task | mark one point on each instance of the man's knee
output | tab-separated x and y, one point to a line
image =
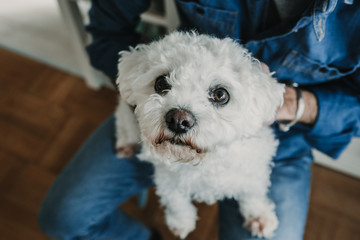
59	221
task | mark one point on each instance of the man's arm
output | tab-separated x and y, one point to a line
288	111
112	27
332	112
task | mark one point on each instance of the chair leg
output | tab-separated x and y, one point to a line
73	20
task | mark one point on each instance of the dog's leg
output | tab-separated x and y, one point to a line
180	213
259	214
127	130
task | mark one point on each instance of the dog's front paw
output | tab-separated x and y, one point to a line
127	131
183	232
181	226
126	150
263	225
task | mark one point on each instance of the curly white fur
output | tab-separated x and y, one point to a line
228	153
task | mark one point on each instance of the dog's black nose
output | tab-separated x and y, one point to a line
179	120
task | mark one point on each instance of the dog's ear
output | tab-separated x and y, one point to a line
131	67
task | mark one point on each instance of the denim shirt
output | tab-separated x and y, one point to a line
319	49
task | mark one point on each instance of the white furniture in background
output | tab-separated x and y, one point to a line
74	21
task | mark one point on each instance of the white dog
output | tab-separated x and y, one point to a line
201	106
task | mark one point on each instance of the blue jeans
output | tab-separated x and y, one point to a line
83	202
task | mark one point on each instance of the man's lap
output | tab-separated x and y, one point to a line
290	192
93	184
96	182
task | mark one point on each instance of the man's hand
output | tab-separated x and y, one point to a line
287	111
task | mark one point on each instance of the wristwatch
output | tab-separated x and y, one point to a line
300	108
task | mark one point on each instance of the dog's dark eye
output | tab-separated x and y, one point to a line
220	96
161	85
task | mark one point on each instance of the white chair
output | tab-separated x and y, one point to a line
74	21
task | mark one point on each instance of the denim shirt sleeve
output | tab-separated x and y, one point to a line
112	27
338	116
323	56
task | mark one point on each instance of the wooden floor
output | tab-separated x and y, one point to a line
46	114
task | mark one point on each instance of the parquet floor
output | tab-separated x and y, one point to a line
46	114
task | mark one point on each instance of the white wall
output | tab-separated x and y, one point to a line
348	163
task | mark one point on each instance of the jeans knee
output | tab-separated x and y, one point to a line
45	221
58	222
48	221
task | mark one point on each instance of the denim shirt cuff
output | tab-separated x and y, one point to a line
328	134
324	108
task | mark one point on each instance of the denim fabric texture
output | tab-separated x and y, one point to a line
319	49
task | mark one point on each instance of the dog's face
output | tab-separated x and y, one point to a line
194	93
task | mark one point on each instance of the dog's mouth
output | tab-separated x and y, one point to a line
186	143
178	141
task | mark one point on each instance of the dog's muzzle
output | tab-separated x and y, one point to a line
175	141
179	121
